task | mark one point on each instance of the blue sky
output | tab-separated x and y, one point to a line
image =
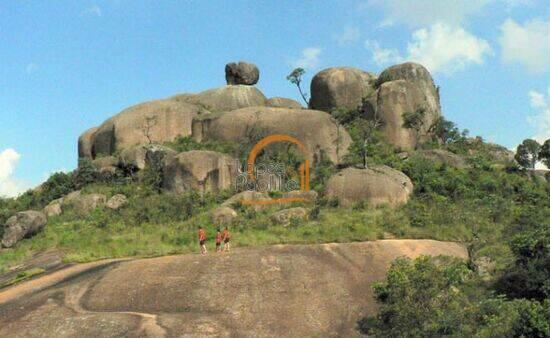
66	66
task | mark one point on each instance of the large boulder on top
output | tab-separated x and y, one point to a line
155	121
340	87
85	143
225	98
402	88
200	170
320	134
417	74
283	102
241	73
376	185
21	225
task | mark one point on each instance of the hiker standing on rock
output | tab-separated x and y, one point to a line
202	240
226	238
218	241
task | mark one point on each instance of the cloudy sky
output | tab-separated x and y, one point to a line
68	65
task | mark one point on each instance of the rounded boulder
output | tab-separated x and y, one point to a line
340	87
241	73
376	185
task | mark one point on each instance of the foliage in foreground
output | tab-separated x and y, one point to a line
438	297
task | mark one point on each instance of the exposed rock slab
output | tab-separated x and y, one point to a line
255	292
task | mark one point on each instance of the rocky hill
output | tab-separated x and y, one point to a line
274	291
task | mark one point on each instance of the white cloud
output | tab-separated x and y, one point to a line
541	119
94	10
309	58
446	49
31	68
440	48
383	56
349	35
527	44
10	186
427	12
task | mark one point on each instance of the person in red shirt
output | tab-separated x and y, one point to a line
219	241
226	238
202	240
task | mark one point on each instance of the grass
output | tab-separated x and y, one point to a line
104	234
23	275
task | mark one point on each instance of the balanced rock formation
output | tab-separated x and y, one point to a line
283	102
241	73
154	121
225	98
340	87
320	134
200	170
21	225
405	88
376	185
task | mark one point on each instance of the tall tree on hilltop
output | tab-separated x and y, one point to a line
544	153
295	77
527	153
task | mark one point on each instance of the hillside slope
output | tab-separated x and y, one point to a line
282	290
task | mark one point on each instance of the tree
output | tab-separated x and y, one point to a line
363	131
150	122
415	121
544	153
85	174
527	153
295	77
444	130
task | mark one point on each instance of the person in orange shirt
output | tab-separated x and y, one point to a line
226	238
219	241
202	240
